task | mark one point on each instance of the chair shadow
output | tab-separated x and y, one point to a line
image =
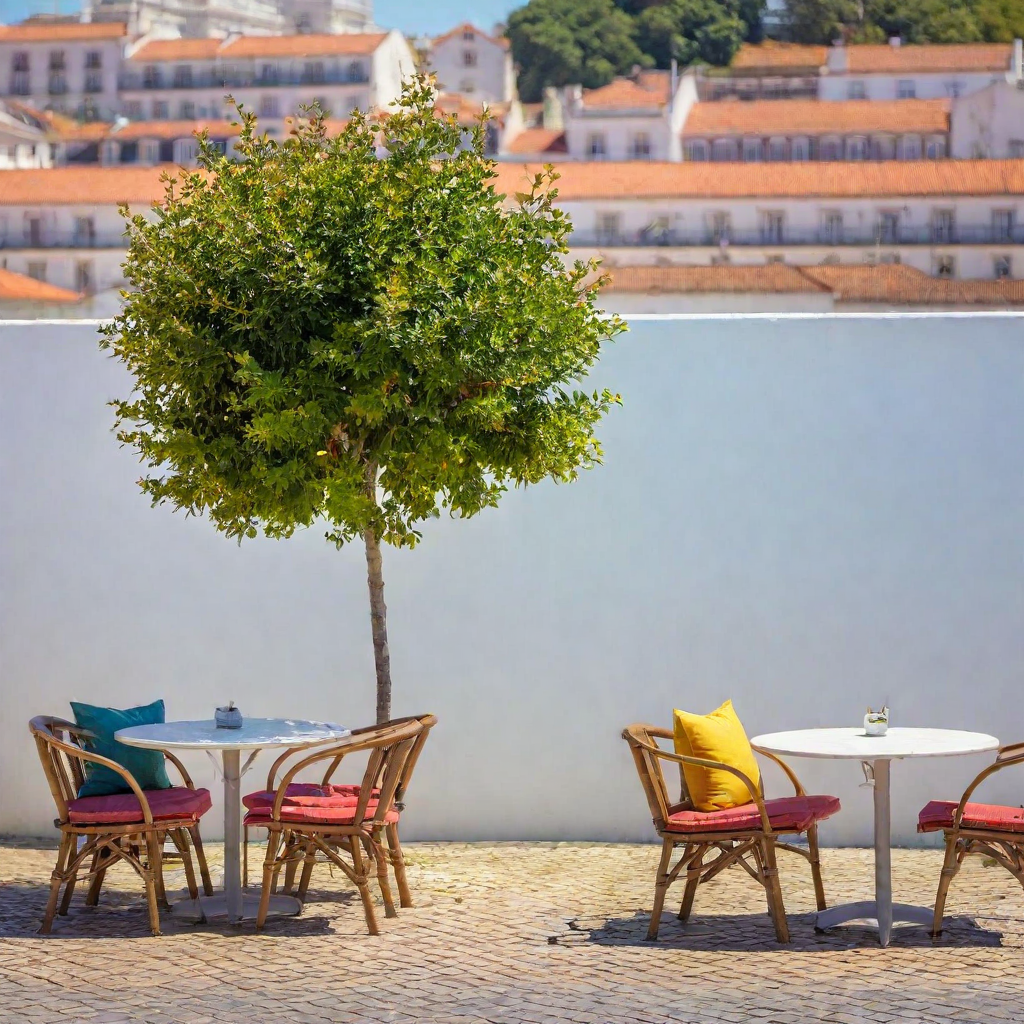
753	933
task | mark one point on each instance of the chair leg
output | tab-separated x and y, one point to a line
153	878
812	848
398	864
773	890
374	849
103	859
692	881
69	887
306	877
950	866
362	881
292	867
204	870
180	839
245	856
269	870
660	888
64	853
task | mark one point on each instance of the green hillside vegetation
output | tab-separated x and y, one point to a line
564	42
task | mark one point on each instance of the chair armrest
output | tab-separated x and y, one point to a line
185	777
790	774
1005	759
700	762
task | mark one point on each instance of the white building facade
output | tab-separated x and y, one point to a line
474	64
989	123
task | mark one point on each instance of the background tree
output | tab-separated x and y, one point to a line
321	335
819	22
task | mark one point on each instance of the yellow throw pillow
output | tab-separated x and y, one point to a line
715	737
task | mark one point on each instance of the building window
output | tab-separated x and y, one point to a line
1002	225
160	110
34	232
19	62
83	276
906	89
910	147
777	150
723	151
468	36
720	227
269	74
855	91
1016	149
356	72
94	60
831	149
1002	267
889	227
20	84
37	270
133	110
697	151
641	146
943	226
832	227
944	266
751	151
183	76
857	148
313	72
269	106
58	84
469	58
936	148
883	147
800	150
596	147
93	81
953	88
151	77
772	222
608	227
57	62
85	231
187	110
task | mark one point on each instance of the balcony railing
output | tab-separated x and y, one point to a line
790	236
72	239
243	81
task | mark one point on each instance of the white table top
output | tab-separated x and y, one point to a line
254	734
896	743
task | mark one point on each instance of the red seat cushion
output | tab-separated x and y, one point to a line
789	813
312	803
939	815
176	803
309	793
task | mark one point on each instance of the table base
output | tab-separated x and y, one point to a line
867	910
212	908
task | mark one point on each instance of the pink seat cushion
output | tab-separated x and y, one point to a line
788	813
312	803
177	803
939	815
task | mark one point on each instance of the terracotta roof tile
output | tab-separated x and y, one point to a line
469	27
61	32
767	277
539	140
467	108
606	180
816	117
898	284
650	89
773	56
866	59
83	186
311	45
19	288
176	49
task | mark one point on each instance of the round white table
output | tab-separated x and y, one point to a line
875	753
254	735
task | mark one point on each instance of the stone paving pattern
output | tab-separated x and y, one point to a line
519	932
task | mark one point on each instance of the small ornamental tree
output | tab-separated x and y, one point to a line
320	331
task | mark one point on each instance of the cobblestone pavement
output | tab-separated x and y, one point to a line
522	932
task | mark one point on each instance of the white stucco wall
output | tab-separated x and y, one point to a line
490	78
927	85
987	123
805	516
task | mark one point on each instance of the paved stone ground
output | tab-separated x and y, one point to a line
526	933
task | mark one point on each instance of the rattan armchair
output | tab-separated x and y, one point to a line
131	827
989	829
748	835
347	830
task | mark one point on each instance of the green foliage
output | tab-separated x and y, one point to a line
321	334
564	42
819	21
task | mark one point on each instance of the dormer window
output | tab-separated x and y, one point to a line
468	36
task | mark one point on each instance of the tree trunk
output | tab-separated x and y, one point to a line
378	610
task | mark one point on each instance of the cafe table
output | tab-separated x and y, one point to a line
876	753
255	734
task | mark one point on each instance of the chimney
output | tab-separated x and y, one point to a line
836	60
895	42
634	73
1017	65
673	83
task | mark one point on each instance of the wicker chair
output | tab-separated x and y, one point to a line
303	821
393	850
989	829
747	835
127	826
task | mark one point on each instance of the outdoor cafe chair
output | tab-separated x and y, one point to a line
969	828
748	835
392	851
348	830
129	826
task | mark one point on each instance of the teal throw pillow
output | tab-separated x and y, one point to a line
145	766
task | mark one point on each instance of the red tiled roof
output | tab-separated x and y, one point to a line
41	32
606	180
766	277
539	140
19	288
469	27
898	284
867	59
468	109
98	186
816	117
177	49
649	89
772	56
310	45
